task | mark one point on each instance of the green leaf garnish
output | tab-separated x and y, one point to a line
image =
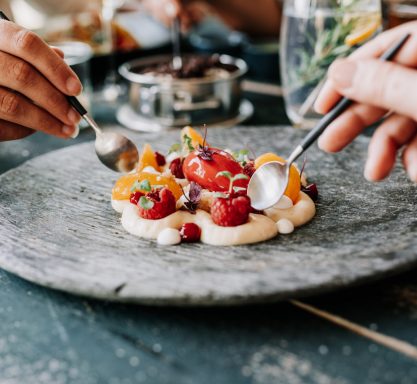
240	176
242	156
174	148
135	186
145	185
188	142
237	189
226	174
146	203
220	195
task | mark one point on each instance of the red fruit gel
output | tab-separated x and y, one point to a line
176	168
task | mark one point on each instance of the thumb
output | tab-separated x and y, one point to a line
381	84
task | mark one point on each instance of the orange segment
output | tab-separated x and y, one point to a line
147	159
196	138
365	28
294	183
121	190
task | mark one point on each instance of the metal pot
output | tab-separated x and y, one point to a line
179	102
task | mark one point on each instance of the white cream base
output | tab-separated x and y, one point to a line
299	214
258	228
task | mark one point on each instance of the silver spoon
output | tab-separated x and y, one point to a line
269	182
114	150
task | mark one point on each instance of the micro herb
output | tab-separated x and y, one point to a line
242	156
145	203
232	179
204	152
188	142
174	148
193	198
135	186
145	185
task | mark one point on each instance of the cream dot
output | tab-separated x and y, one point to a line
169	236
285	226
284	203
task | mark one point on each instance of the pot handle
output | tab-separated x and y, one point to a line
185	106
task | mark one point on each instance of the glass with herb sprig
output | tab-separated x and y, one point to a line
313	35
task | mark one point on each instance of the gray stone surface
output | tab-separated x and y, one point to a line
57	228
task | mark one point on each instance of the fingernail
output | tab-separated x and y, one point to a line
74	86
342	72
76	132
68	131
368	172
73	116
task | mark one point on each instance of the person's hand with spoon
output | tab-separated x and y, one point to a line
377	87
34	82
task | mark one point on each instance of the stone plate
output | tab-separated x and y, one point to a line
57	229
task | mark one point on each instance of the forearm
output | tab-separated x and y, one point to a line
257	18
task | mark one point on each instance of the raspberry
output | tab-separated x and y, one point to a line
163	204
160	159
231	211
249	169
134	197
190	233
312	191
176	168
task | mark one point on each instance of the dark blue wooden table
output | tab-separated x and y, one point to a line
53	338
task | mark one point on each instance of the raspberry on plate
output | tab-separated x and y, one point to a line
157	204
190	233
231	211
176	168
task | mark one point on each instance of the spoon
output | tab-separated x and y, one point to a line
114	150
268	184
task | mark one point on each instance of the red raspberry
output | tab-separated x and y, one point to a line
312	191
160	159
190	233
164	204
249	169
176	168
231	211
134	197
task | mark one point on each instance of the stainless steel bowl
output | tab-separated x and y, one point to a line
179	102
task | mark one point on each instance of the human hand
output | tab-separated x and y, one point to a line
378	87
190	12
34	80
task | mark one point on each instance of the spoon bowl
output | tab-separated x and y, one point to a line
268	184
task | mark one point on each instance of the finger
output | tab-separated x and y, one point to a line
381	84
407	56
348	126
10	131
410	159
20	76
19	110
28	46
390	136
58	51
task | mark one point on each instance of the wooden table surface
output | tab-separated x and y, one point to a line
362	335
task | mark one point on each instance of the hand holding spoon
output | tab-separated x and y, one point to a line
269	182
114	150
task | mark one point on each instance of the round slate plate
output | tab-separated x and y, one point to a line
57	228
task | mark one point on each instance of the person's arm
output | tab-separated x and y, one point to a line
378	87
34	80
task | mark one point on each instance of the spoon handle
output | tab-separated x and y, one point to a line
340	107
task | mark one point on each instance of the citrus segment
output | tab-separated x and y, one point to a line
195	138
364	30
122	188
147	159
294	183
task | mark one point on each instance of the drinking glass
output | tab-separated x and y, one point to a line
313	34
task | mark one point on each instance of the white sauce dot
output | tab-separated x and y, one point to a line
285	226
169	236
150	169
284	203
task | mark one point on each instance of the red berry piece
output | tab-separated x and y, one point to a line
249	169
157	204
190	233
312	191
176	168
134	197
231	211
160	159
